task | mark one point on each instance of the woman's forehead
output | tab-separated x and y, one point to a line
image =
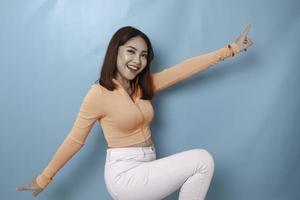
136	43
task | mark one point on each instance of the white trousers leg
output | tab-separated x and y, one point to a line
134	173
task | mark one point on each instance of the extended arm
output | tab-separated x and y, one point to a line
172	75
187	68
90	112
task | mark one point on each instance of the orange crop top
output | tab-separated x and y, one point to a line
124	121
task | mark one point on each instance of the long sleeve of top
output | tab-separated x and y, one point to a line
124	121
90	112
189	67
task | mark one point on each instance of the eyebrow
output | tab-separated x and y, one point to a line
136	49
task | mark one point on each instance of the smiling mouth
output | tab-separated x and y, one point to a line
132	68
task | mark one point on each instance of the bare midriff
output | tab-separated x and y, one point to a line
146	143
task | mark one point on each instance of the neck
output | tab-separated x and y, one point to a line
123	81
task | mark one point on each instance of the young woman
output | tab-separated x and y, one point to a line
121	101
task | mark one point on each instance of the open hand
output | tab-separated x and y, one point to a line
33	186
243	41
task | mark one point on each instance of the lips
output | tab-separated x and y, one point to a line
132	67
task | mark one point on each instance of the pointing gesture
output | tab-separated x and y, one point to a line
243	41
33	186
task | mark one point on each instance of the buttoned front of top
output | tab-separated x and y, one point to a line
124	120
127	118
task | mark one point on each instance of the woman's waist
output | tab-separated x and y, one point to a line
147	143
144	147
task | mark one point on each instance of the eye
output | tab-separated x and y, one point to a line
130	51
145	55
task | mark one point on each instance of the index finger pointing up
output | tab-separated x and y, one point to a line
247	29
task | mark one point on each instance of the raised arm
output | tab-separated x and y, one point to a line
172	75
90	112
187	68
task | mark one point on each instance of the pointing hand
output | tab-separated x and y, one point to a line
243	41
33	186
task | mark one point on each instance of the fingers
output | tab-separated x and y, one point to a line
25	188
246	31
36	192
245	41
250	42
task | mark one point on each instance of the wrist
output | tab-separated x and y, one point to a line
234	49
43	181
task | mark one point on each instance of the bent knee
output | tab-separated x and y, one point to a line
206	157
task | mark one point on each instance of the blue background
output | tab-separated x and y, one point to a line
245	110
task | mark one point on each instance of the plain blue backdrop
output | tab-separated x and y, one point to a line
244	110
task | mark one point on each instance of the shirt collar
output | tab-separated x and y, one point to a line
120	87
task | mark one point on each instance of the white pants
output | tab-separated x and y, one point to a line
134	173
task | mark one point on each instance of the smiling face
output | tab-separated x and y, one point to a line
132	58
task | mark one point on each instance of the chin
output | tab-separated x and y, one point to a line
130	77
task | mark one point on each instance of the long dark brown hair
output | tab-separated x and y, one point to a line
109	68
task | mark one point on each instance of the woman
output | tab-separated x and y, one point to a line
120	101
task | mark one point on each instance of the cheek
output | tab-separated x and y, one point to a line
123	59
144	62
126	58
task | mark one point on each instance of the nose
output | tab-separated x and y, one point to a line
137	60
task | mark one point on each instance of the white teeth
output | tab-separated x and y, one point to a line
131	67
